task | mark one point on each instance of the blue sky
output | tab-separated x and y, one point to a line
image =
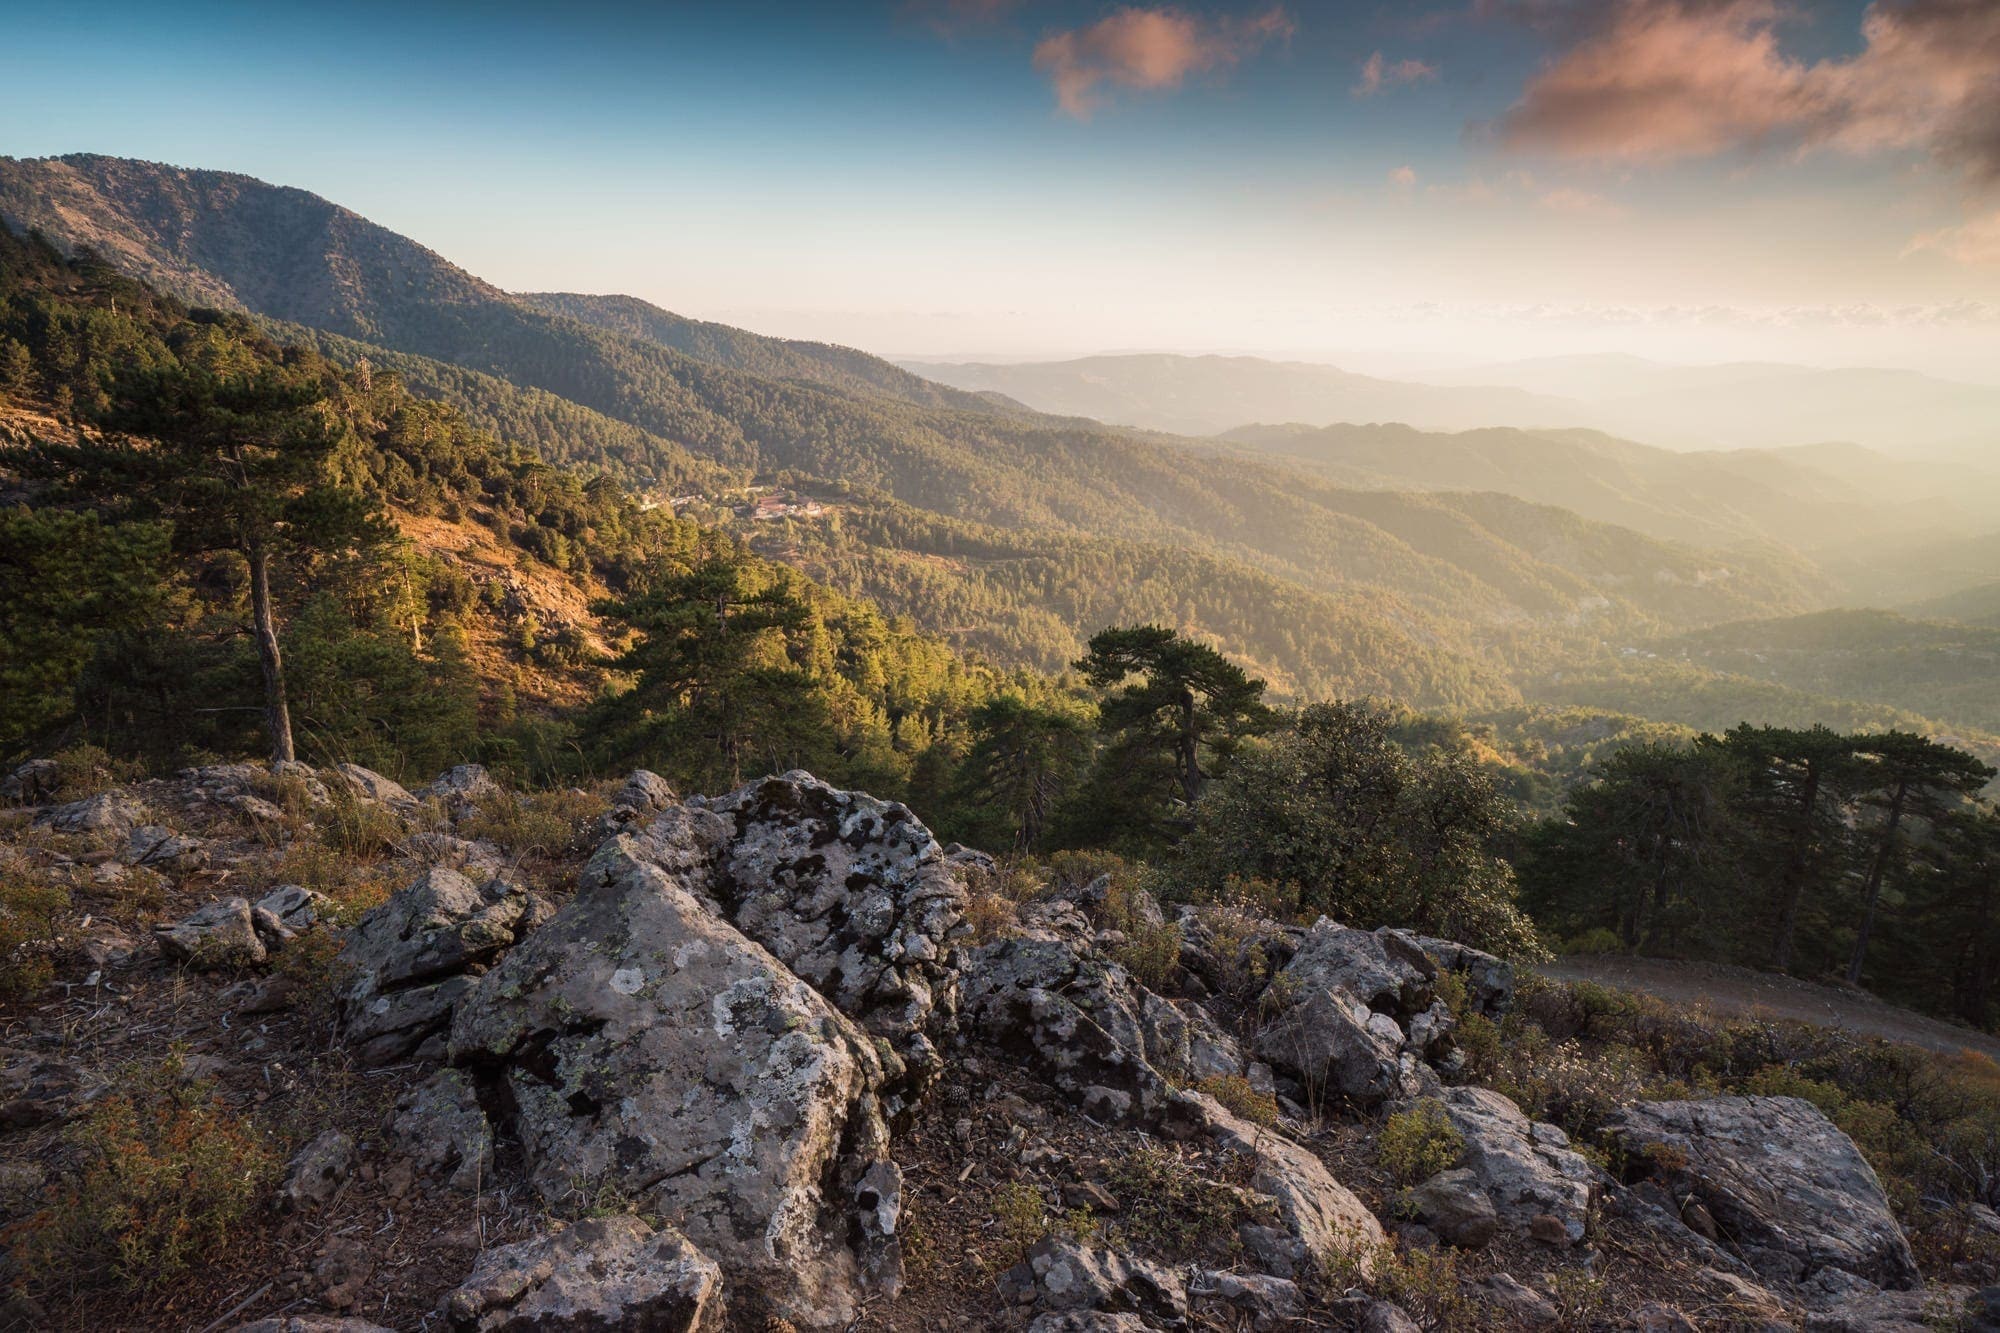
979	176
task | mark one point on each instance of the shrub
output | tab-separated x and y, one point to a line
1023	1219
85	770
1418	1143
1235	1093
167	1175
1171	1208
28	912
1598	939
1152	954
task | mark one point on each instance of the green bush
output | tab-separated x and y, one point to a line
1418	1143
28	912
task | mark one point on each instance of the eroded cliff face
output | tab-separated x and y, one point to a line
775	1058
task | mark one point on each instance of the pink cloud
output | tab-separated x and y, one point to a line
1657	80
1378	74
1976	243
1403	178
1582	204
1147	49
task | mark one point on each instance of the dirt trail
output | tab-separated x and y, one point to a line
1738	990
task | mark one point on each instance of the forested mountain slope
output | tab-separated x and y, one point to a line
1460	574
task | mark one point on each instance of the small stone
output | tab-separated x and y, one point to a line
316	1172
1087	1194
1548	1229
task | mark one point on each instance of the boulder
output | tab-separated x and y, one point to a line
647	1045
440	1125
1527	1169
221	934
1792	1194
317	1171
1489	981
1266	1301
31	783
1456	1206
287	910
1184	1042
1520	1305
461	788
410	959
372	786
853	895
1045	996
112	812
159	848
1063	1274
644	795
1354	1013
1322	1215
605	1273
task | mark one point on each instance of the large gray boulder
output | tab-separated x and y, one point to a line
441	1127
114	813
1045	996
606	1273
855	896
413	959
221	934
1792	1194
1354	1015
648	1045
1526	1168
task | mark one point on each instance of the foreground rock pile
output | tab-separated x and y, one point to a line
728	1024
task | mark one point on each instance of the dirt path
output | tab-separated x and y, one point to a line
1738	990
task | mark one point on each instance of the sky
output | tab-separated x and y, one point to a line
1393	186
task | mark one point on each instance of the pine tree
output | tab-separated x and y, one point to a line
1023	758
240	457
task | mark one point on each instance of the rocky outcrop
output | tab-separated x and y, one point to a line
1526	1168
1354	1015
855	897
1048	997
1489	981
646	1044
1787	1190
369	785
115	812
32	782
1455	1204
219	935
607	1273
644	795
1062	1274
413	959
461	788
155	847
441	1127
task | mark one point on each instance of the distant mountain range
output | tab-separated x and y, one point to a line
1730	406
1445	570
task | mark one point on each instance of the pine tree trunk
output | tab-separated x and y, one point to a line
1795	876
1190	751
277	716
1873	893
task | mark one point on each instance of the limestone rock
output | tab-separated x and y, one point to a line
1268	1302
1527	1169
646	1044
606	1273
1789	1189
644	795
1456	1206
410	958
372	786
317	1170
461	788
1062	1273
113	812
439	1124
853	895
1489	981
221	934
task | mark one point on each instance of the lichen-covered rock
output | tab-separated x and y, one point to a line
317	1170
1489	981
372	786
113	812
218	935
440	1125
1790	1191
156	847
461	788
606	1273
410	957
1062	1274
1456	1206
1526	1168
644	795
1184	1042
289	909
1354	1014
648	1045
1046	996
1322	1214
855	896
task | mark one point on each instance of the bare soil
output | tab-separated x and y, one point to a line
1743	992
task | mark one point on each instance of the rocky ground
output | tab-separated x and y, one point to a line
303	1050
